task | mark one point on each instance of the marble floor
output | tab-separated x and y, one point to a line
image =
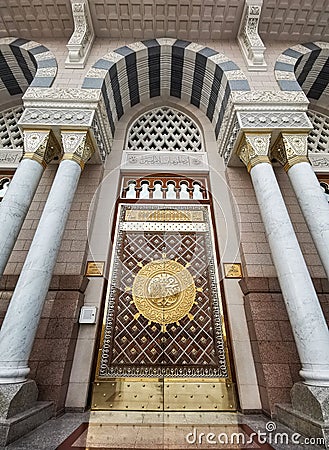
166	431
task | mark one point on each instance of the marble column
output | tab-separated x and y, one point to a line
305	314
40	147
22	318
291	151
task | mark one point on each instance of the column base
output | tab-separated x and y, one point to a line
20	412
21	424
309	412
15	398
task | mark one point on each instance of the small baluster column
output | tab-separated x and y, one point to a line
40	148
305	314
291	151
17	336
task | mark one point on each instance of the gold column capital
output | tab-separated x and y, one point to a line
290	149
40	146
254	149
78	146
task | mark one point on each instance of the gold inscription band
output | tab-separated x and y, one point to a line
163	216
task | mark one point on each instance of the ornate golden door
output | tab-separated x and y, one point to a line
163	344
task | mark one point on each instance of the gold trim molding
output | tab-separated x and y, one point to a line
290	149
163	215
78	146
254	149
41	146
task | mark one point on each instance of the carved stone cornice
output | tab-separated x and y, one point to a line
58	117
261	112
270	100
61	98
290	149
252	46
41	146
70	109
254	149
78	146
83	35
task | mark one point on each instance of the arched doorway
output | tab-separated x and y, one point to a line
164	344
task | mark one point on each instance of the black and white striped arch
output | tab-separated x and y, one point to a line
168	67
305	67
25	63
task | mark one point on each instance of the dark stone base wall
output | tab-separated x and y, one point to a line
274	350
53	350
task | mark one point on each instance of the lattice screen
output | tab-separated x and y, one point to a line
318	140
164	129
10	134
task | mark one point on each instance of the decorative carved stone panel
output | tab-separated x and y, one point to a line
10	135
164	130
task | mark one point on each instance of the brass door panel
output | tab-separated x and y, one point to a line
128	394
164	395
164	344
200	395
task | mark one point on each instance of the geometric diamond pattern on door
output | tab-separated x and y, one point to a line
133	347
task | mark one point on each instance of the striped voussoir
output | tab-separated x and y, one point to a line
25	63
167	67
304	67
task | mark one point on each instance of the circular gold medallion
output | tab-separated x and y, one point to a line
164	292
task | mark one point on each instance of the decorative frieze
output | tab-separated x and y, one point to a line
254	149
252	46
290	149
83	35
61	97
164	161
269	99
320	163
164	226
274	119
10	159
55	117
